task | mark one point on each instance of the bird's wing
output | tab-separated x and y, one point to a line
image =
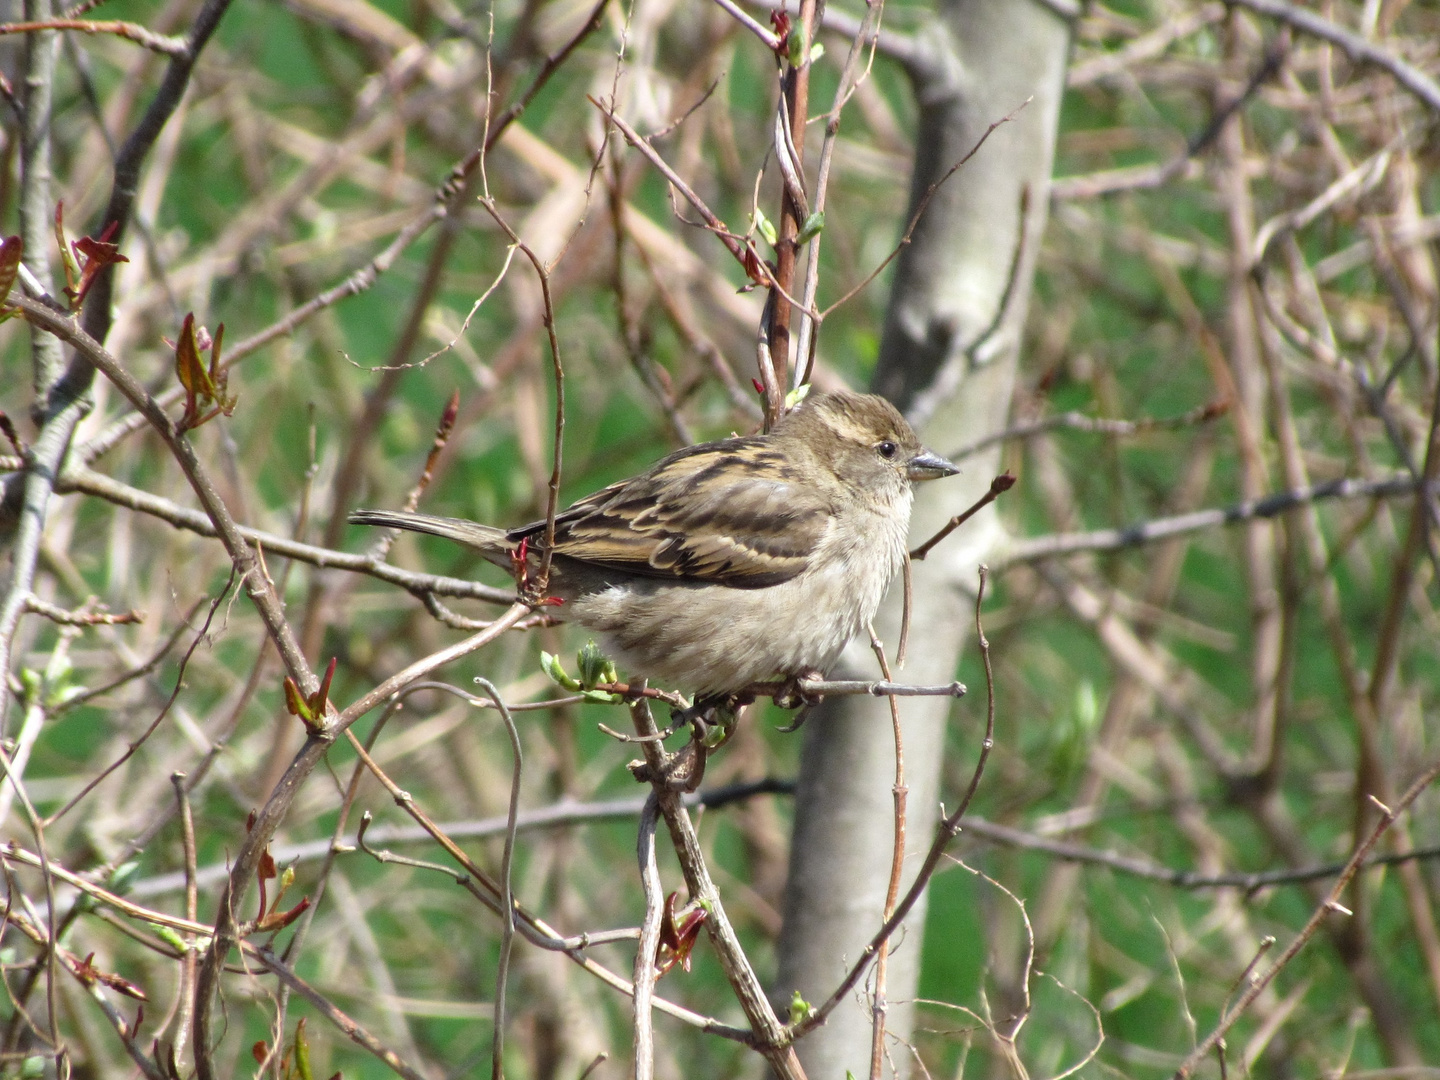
734	513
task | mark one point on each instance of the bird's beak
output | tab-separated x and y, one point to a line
928	465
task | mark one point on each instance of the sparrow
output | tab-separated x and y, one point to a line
731	562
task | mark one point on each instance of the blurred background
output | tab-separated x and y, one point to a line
1186	294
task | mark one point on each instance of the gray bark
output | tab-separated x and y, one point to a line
948	357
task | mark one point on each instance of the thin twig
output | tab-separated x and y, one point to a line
323	1005
858	688
1147	870
485	889
552	505
225	935
201	636
1359	49
186	991
643	1042
743	18
808	337
557	816
361	280
741	247
907	605
1074	421
879	1005
945	832
1323	911
1148	532
196	521
159	43
917	215
768	1035
507	899
84	974
1001	484
793	107
61	617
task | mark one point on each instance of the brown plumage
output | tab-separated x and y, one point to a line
734	561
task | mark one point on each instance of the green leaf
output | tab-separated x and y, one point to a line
302	1052
296	703
123	877
552	667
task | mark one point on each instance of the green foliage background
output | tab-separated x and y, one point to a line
1131	296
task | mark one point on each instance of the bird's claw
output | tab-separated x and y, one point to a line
792	694
712	722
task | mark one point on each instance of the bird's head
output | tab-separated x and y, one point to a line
864	441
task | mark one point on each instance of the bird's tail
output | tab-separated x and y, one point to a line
486	539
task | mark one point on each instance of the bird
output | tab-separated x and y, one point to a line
733	562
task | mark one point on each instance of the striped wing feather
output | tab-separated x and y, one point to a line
733	513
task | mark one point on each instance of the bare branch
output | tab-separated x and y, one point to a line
734	10
1329	905
159	43
770	1037
1049	547
1001	484
1353	45
1074	421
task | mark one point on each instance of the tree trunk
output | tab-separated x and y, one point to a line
948	357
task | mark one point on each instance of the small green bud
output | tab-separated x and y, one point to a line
797	46
592	663
170	937
812	227
31	683
766	227
800	1009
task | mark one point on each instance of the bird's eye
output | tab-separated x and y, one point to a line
887	449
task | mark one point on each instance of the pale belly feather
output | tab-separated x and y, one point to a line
711	639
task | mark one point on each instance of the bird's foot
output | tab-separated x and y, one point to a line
712	722
792	695
712	719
